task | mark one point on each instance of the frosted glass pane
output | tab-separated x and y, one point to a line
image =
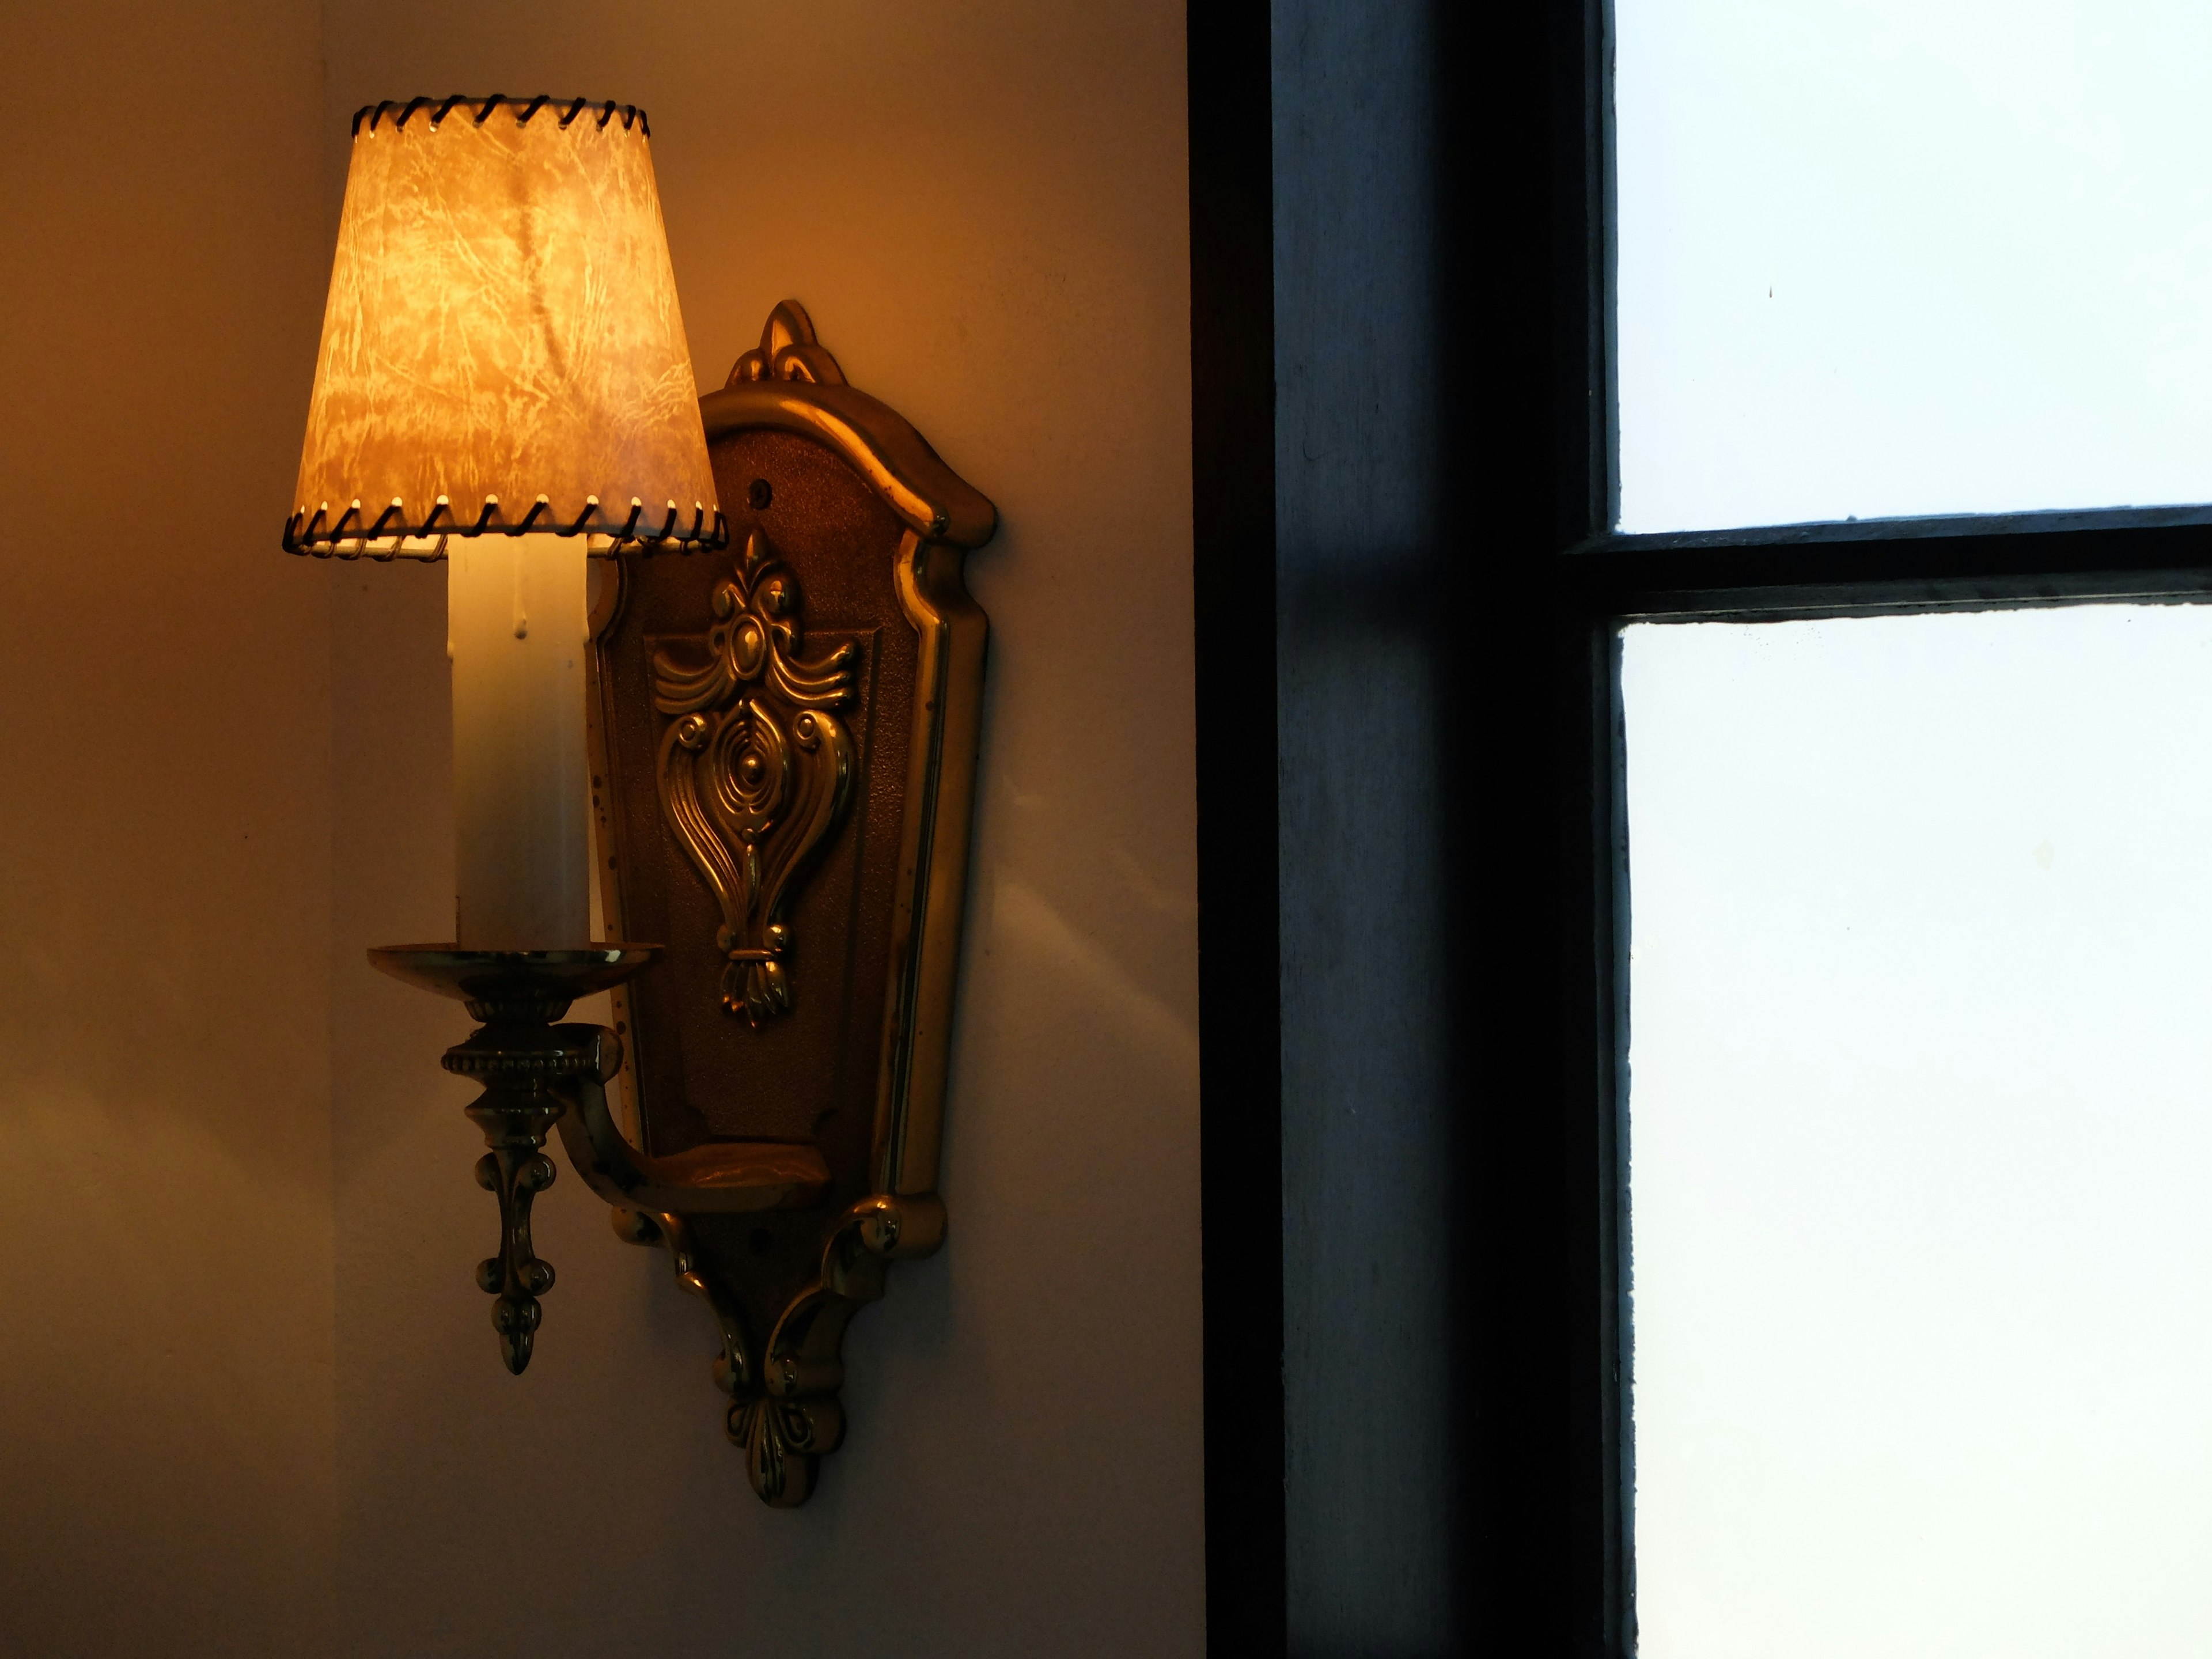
1921	1129
1889	257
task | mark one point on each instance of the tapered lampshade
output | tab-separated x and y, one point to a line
502	350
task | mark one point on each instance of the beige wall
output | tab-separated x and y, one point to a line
249	1397
983	207
166	1479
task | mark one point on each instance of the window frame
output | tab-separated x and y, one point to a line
1605	580
1597	580
1523	606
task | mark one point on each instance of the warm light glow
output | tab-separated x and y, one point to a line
502	322
502	353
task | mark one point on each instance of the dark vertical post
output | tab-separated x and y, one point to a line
1362	500
1427	516
1531	815
1240	1027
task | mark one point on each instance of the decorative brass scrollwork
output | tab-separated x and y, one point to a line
755	768
748	741
787	1420
524	1069
785	1414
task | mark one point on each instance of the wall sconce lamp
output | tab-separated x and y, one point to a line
773	734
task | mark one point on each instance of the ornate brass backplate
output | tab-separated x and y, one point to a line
756	768
783	771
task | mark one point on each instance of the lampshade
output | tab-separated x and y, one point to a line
501	350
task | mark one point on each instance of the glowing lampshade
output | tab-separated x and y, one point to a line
503	348
503	366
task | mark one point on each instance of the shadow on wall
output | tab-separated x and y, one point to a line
165	1207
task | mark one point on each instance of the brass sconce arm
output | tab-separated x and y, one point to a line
725	1177
536	1074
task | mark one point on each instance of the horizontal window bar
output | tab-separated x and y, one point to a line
1823	532
1908	529
1895	566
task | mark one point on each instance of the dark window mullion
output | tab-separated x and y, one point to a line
1240	1030
1947	528
1793	575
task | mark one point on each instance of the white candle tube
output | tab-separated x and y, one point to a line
516	631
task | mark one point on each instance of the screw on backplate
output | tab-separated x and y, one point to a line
760	493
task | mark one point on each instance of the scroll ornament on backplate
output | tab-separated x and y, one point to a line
755	768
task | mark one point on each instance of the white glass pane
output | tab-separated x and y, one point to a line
1888	257
1921	1135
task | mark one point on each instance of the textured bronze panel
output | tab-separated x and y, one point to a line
702	1073
705	1073
845	1059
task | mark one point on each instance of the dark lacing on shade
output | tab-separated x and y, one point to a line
308	533
399	114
